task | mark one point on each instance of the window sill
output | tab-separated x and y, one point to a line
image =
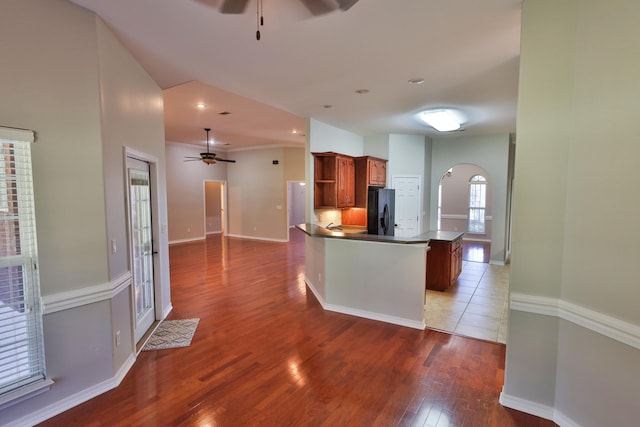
24	393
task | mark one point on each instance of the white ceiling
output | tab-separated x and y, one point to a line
467	51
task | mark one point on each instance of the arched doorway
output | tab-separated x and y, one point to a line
464	204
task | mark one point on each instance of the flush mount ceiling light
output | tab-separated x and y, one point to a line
417	81
441	120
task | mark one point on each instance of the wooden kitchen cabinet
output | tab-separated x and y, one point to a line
346	197
370	172
334	181
444	263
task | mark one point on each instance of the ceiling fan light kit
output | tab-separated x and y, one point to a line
316	7
208	158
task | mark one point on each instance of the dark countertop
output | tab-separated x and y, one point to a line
356	233
442	236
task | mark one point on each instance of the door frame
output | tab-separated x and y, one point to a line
290	183
223	205
159	296
420	194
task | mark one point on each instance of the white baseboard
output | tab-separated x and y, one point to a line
194	239
75	399
43	414
240	236
537	409
166	311
363	313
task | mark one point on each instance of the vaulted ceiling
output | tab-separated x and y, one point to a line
306	65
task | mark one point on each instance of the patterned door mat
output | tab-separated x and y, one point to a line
172	334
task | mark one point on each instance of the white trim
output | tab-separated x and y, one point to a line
214	232
454	216
537	409
194	239
84	296
462	217
473	239
364	314
59	406
25	392
240	236
15	134
611	327
166	311
75	399
124	369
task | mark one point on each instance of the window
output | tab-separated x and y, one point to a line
477	203
22	367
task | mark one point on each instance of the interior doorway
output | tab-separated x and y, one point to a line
464	204
214	207
296	193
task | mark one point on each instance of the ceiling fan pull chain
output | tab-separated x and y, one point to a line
259	18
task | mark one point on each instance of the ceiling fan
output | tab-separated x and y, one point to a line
208	157
316	7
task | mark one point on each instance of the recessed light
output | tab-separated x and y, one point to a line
327	106
362	91
201	106
417	81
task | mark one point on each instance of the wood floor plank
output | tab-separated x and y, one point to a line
266	354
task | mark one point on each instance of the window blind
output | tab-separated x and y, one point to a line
21	338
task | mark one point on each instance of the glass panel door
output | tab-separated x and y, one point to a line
141	246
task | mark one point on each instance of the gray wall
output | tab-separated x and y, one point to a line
256	191
67	77
574	281
185	191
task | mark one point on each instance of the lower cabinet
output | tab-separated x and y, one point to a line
444	263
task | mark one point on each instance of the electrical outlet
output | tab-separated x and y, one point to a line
188	229
114	246
117	338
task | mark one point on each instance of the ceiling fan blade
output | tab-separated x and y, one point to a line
218	159
192	160
318	7
346	4
234	6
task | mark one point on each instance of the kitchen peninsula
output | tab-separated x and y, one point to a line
376	277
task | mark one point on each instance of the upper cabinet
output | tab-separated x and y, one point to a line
334	181
346	182
377	172
370	172
342	181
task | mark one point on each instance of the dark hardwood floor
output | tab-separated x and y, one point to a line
266	354
476	251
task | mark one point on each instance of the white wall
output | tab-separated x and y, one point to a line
490	153
574	281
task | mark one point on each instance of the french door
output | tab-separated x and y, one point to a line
141	245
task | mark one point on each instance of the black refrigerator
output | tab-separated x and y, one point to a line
381	211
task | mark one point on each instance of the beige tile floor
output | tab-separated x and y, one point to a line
475	306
